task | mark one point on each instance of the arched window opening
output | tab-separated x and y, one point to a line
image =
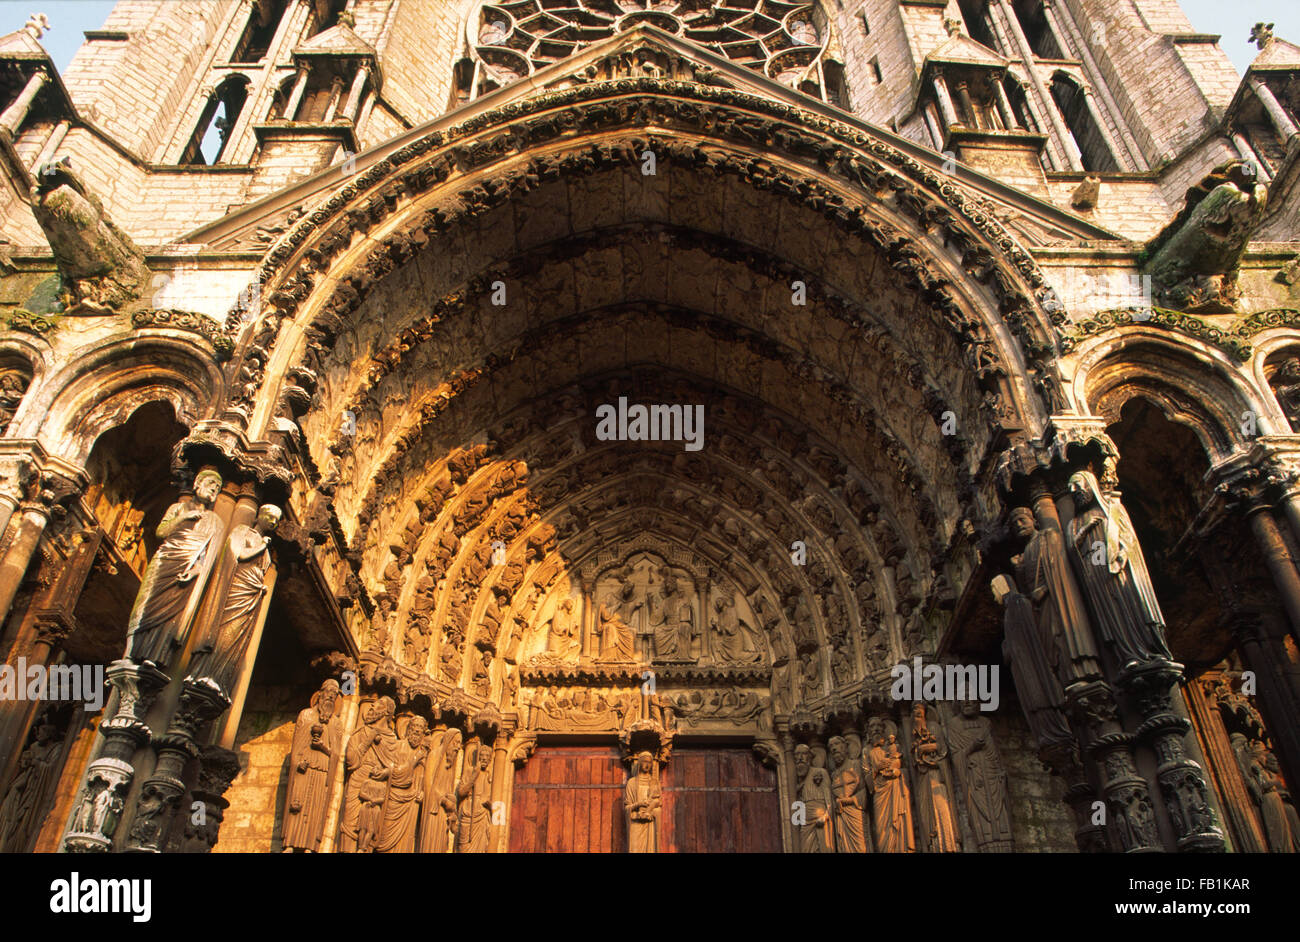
130	481
259	32
323	96
1033	23
1283	372
976	15
282	98
208	144
1072	102
15	377
324	15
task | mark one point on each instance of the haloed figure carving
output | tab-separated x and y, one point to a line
219	654
641	801
817	832
938	829
889	798
1114	575
851	835
438	818
174	578
405	791
369	757
316	737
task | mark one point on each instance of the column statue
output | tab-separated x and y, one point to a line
312	757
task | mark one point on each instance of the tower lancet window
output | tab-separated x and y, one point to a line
263	22
207	145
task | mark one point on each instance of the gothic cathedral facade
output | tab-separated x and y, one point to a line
455	426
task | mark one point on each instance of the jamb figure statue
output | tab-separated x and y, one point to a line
174	578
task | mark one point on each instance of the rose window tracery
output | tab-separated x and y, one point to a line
786	42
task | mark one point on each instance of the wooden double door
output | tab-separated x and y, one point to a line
569	799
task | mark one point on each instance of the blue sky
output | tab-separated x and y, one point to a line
1231	19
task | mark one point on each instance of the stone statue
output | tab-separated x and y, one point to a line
641	802
405	792
732	639
369	757
174	578
312	757
938	826
674	620
1268	792
850	791
22	812
1114	575
562	636
1286	387
883	764
219	655
616	636
1043	570
13	386
817	831
438	818
982	777
474	801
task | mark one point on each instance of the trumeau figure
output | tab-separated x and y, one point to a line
438	815
312	758
474	797
174	578
1043	571
939	828
1114	575
369	757
851	834
219	655
982	778
883	764
21	812
641	802
813	784
401	815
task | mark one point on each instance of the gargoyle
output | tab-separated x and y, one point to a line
1193	261
100	267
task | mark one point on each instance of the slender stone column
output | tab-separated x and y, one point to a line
295	96
946	109
353	104
1277	558
1062	133
1004	105
1282	123
19	555
13	115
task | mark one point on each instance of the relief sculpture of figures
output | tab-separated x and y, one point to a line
641	803
1114	575
401	815
563	637
369	756
938	827
174	578
733	640
1268	791
851	833
813	787
982	778
474	797
219	656
438	815
673	617
312	758
883	764
21	812
1043	571
617	640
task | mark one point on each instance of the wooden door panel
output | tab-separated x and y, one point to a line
718	801
569	800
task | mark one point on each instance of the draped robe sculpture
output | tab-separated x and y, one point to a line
20	813
438	816
817	832
174	578
369	757
851	834
641	802
1114	575
889	797
220	653
405	792
312	758
474	797
938	828
979	769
